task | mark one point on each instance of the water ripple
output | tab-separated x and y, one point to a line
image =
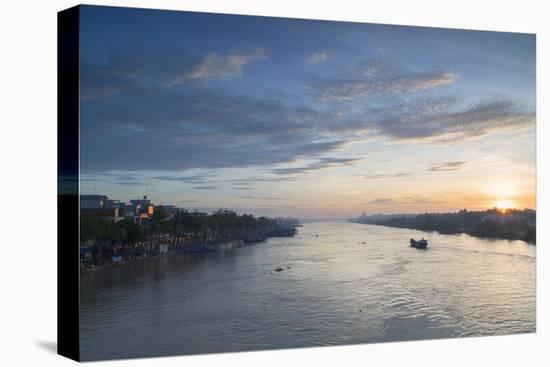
333	290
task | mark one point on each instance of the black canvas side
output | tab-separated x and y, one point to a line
68	251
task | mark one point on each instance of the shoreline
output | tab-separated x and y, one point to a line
179	251
453	232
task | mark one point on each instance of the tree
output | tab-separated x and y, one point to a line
134	233
89	229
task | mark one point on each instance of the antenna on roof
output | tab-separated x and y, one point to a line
146	191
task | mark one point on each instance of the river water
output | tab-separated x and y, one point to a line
333	290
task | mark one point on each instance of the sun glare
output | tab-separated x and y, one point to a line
503	205
502	192
503	189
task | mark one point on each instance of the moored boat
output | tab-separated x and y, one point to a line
419	244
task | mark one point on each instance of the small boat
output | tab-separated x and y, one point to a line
200	248
419	244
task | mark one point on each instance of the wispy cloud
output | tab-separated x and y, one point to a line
193	179
426	201
349	89
210	180
449	119
448	166
250	180
130	183
377	77
381	201
320	164
242	188
370	67
217	66
253	197
376	176
408	200
205	187
318	57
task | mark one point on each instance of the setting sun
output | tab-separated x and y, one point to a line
504	204
503	193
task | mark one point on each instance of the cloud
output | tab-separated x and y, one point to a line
449	118
130	183
205	187
249	180
252	197
378	78
376	176
130	70
320	164
208	181
383	201
216	66
349	89
194	179
409	200
428	201
196	126
370	67
447	166
318	57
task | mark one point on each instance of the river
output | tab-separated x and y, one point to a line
333	290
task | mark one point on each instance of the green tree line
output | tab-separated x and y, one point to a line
514	224
222	223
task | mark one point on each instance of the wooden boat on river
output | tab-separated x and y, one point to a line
419	244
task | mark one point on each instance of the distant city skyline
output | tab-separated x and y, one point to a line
304	118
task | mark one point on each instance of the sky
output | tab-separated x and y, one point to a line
304	118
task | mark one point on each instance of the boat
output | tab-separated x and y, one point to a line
419	244
200	248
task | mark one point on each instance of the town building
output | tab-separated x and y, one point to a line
93	201
115	204
144	209
100	206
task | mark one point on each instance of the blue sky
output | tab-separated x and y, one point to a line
301	117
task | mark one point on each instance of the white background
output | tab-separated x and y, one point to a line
28	182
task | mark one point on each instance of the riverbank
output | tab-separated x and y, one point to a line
104	242
144	258
473	234
175	246
509	224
